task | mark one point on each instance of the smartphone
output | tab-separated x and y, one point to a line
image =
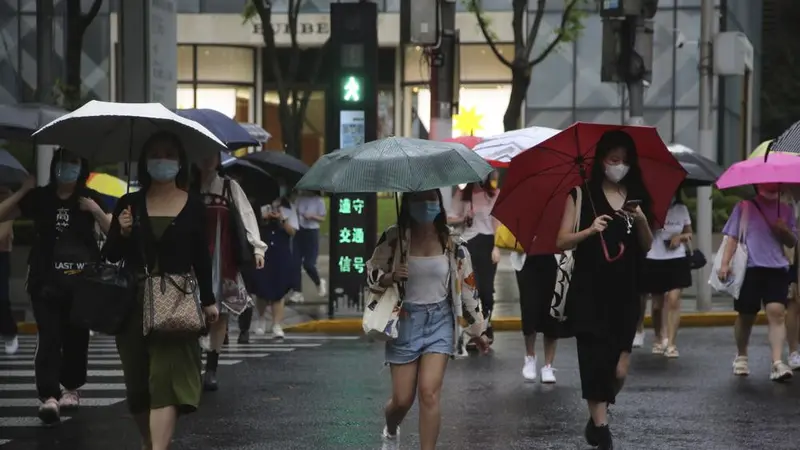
632	203
266	209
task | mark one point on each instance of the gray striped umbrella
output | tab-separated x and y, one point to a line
788	141
396	164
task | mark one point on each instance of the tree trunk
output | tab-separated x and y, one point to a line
520	79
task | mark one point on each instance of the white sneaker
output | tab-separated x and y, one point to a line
390	441
296	297
548	374
741	367
780	371
12	345
322	290
529	369
638	340
277	332
794	361
261	326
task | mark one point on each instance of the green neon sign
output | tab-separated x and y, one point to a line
351	89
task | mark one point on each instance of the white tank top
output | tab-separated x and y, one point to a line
427	279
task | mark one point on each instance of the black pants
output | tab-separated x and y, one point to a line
537	282
305	247
597	364
61	349
480	250
245	319
8	326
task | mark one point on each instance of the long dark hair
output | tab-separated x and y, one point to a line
633	181
58	156
486	185
196	177
182	179
404	220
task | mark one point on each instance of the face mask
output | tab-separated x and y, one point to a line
67	172
615	173
163	169
424	212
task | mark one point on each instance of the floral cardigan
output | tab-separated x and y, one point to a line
463	295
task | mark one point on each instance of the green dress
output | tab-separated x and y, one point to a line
160	371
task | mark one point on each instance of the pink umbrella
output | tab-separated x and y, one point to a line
778	168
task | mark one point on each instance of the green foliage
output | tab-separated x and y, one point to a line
249	12
723	205
66	97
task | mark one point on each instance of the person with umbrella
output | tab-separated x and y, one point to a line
224	197
603	299
64	213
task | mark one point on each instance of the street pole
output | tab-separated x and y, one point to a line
44	79
706	147
442	81
634	25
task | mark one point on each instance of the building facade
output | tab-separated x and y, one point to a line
221	65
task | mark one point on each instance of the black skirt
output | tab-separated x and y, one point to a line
663	275
536	282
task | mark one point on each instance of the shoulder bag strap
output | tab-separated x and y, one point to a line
578	208
743	222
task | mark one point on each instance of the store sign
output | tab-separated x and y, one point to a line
303	28
350	237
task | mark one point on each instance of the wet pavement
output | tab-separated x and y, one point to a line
331	399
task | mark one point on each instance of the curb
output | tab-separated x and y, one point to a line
353	325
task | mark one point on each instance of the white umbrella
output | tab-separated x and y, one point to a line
109	132
499	149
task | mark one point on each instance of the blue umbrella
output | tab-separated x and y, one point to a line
224	128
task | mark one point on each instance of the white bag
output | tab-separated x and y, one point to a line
738	262
382	311
566	263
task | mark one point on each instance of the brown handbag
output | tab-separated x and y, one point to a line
172	305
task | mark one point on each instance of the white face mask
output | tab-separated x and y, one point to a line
615	173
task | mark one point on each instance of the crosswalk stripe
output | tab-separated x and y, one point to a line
34	402
107	362
4	441
19	357
24	421
107	348
30	373
85	387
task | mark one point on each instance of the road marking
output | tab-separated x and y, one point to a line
34	403
30	373
85	387
107	362
24	421
231	346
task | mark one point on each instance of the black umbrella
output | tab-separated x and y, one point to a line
279	165
700	170
11	171
18	122
255	181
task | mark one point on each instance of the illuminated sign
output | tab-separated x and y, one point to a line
351	89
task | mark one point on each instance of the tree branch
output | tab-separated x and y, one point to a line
518	19
534	31
484	25
265	14
86	19
306	98
560	35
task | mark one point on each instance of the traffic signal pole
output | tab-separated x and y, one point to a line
442	85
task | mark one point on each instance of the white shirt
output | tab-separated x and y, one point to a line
215	186
480	208
677	218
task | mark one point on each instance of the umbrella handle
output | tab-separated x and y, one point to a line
607	255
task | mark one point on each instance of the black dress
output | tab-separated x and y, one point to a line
603	300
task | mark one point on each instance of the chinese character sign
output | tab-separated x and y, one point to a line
352	236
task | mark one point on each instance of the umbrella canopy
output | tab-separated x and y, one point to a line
778	168
501	148
467	141
18	122
255	181
256	132
279	165
224	128
396	164
12	173
109	132
788	141
700	171
108	185
538	181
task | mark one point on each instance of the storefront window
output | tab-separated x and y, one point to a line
478	64
225	64
480	112
313	139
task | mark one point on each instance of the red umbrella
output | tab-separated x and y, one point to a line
466	141
538	181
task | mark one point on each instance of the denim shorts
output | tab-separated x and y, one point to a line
423	328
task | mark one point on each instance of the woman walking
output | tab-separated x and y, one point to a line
439	288
536	281
311	211
767	225
665	274
162	229
277	278
64	215
223	196
472	207
603	300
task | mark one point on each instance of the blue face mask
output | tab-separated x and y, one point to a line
424	212
163	169
67	172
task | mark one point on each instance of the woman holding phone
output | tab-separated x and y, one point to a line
603	300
